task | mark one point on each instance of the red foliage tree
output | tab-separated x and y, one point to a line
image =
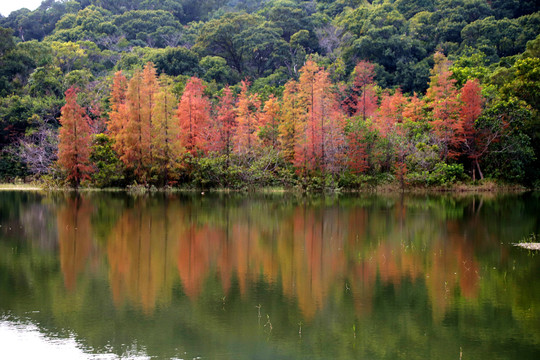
443	100
149	90
389	123
323	125
193	116
356	154
365	98
224	126
390	112
75	140
304	145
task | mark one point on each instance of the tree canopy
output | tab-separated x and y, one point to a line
490	50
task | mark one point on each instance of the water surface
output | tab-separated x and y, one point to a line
108	275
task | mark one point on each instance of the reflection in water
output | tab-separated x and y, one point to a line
336	266
141	254
74	237
313	252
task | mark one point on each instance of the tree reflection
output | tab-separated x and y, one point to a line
74	237
179	273
140	251
312	251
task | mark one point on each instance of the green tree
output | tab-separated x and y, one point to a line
176	61
246	41
109	169
509	150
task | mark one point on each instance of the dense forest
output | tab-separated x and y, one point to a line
250	93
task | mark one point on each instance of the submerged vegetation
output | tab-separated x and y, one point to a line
309	95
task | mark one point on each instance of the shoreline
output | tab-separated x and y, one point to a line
488	187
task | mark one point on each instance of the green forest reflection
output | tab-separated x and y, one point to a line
279	275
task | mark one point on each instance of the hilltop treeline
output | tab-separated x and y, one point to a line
377	58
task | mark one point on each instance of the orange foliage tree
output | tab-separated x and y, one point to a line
75	140
149	91
194	116
166	146
225	125
303	152
134	145
269	122
247	119
389	123
442	99
118	113
414	109
291	118
322	126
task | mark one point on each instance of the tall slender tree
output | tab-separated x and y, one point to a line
247	118
323	125
166	146
389	123
305	144
149	90
118	114
75	140
269	122
193	116
364	98
136	133
390	112
443	100
291	120
225	125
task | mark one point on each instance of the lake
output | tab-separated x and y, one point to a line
268	276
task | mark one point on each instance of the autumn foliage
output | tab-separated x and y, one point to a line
247	120
224	125
364	96
75	140
194	116
443	100
316	128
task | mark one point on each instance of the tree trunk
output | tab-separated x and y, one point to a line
478	167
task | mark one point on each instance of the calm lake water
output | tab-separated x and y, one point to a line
108	275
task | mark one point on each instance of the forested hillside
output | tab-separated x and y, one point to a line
313	94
